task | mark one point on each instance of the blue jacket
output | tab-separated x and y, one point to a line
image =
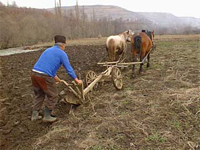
51	60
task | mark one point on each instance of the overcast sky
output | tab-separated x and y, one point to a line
188	8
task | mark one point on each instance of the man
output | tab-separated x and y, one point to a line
44	78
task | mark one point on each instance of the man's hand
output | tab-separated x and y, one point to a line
79	82
57	79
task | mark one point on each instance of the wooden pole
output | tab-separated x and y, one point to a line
91	85
104	63
135	63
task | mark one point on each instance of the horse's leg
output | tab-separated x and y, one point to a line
134	56
148	59
133	69
124	51
122	57
118	55
107	53
141	58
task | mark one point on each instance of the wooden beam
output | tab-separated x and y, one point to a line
91	85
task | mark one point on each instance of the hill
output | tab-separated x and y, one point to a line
191	21
150	19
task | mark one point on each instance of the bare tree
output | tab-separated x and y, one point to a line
1	4
14	4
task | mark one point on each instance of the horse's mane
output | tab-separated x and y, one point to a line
149	34
122	34
125	34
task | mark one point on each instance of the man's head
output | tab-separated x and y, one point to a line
60	40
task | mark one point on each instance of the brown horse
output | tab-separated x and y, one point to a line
141	44
116	45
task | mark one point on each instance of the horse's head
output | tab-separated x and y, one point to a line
151	35
127	35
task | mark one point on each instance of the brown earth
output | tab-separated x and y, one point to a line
159	109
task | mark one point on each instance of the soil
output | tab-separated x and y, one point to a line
159	109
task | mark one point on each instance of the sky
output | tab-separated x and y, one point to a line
180	8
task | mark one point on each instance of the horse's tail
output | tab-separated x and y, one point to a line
138	43
111	50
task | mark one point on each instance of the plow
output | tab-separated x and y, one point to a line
77	94
80	94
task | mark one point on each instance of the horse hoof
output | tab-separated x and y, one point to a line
133	76
148	65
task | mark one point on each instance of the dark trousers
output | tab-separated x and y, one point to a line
44	86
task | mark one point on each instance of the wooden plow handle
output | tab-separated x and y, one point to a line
71	89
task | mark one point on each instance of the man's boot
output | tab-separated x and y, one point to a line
35	115
48	117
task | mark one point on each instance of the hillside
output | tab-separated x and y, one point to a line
191	21
162	20
101	11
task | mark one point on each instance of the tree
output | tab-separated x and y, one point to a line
14	4
1	4
58	8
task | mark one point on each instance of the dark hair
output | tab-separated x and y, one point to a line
60	39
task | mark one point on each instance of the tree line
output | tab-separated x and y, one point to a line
28	26
21	26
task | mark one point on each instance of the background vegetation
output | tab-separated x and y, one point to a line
27	26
